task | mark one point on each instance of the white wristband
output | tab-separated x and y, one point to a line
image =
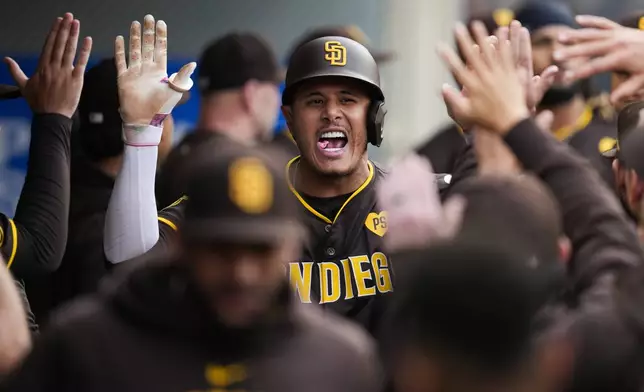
142	135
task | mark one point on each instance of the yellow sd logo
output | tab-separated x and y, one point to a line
377	223
250	185
640	23
335	53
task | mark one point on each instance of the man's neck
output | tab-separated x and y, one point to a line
309	181
229	121
568	114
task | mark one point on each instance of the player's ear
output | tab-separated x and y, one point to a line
288	116
249	91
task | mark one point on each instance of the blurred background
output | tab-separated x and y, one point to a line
409	28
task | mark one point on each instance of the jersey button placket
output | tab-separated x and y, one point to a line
330	251
328	228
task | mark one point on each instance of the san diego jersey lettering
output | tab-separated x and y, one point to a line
344	266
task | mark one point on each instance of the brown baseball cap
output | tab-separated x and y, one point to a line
235	58
240	196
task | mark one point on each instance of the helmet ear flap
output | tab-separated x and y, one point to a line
375	122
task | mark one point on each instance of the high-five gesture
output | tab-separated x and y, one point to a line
56	85
535	85
613	48
146	94
496	97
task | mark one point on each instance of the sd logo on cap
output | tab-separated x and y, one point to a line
335	53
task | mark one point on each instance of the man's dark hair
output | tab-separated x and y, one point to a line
469	304
517	212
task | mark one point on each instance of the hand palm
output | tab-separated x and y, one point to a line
144	88
140	88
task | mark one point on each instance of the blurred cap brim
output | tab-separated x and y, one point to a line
9	92
260	231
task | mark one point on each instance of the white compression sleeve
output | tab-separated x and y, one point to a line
131	226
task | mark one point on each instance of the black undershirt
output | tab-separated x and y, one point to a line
327	206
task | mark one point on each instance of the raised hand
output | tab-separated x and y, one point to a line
415	215
535	85
146	94
56	85
496	97
612	47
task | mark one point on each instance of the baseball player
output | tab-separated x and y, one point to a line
283	137
219	316
578	120
33	242
334	107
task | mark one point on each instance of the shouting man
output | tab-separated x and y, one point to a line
334	107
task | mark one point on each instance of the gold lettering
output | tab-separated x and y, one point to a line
301	280
348	283
380	266
362	275
329	273
335	53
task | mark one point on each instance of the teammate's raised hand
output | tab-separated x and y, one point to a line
415	215
612	47
56	85
146	94
535	85
496	98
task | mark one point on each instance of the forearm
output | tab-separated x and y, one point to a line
15	339
42	214
131	226
593	220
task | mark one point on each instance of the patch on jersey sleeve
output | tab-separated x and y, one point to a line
606	143
377	223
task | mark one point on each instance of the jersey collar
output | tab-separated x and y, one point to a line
582	122
312	210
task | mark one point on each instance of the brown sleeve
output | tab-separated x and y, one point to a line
602	239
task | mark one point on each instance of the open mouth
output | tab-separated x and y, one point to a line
332	141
